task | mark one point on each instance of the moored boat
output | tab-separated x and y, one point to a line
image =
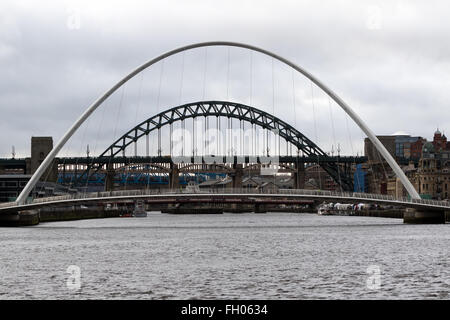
324	210
139	210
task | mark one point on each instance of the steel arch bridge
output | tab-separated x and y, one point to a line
236	111
51	156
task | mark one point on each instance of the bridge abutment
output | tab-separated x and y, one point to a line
20	218
423	216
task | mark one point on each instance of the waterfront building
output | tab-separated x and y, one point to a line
433	173
11	185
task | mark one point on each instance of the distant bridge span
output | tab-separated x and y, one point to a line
229	110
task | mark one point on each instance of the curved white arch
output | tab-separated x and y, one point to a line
386	155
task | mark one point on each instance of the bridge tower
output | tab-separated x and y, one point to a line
40	148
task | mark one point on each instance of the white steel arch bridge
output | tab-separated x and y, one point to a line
415	200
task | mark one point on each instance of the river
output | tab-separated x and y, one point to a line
229	256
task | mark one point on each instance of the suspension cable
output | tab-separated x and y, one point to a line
159	86
315	133
251	77
228	72
359	187
334	141
97	138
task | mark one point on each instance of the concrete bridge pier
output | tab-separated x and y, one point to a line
260	208
299	175
109	180
174	176
421	216
237	175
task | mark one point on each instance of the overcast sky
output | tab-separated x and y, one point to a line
389	60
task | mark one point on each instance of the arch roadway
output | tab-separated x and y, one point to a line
386	155
230	110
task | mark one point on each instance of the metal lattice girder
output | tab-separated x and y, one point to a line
236	111
85	161
217	109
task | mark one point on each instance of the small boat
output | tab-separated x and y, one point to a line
139	210
324	210
126	215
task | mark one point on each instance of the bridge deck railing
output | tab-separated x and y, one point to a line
8	204
320	193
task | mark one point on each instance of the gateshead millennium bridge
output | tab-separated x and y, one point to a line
113	158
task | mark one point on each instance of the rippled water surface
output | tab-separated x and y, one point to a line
230	256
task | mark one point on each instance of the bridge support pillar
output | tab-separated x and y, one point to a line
109	180
299	175
260	208
421	216
237	176
174	176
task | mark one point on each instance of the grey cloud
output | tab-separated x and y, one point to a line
396	77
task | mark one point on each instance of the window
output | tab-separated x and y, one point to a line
11	184
11	194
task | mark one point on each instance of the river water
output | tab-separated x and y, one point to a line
229	256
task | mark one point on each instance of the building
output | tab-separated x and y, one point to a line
423	163
404	149
401	147
317	178
372	153
416	148
11	185
433	172
439	141
15	173
431	177
394	186
220	183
